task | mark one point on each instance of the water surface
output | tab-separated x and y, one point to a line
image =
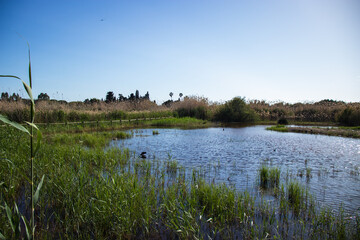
234	155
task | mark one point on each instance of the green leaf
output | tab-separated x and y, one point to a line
9	215
32	125
13	124
30	80
38	144
29	91
36	196
10	76
27	227
26	86
2	236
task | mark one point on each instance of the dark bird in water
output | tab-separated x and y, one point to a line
143	155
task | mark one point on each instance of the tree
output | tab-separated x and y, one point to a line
180	95
132	97
137	95
147	96
110	97
43	96
235	110
4	96
121	98
15	97
171	94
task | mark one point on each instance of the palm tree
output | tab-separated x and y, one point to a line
171	94
180	95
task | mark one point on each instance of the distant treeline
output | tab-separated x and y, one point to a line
235	110
110	97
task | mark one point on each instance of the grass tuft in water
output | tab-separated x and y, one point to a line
269	177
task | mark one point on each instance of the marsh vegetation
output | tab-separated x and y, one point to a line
93	189
92	192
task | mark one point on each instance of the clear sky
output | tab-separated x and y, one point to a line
289	50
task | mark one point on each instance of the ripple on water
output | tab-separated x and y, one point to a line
238	153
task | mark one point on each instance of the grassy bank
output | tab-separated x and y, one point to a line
118	125
351	132
92	193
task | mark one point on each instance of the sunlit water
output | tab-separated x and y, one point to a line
233	156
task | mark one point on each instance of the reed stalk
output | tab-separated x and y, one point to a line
29	227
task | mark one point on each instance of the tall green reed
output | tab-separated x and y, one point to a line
29	226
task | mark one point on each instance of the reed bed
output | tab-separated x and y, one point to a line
49	111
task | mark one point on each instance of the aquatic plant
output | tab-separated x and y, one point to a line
295	194
269	176
308	173
171	166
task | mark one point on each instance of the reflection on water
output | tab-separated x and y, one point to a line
328	166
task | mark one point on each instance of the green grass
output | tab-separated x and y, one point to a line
350	128
269	177
351	132
185	122
100	126
97	139
278	128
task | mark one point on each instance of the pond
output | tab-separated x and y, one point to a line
327	166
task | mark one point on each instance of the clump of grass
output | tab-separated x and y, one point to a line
295	194
269	177
278	128
122	135
171	166
155	132
308	173
264	176
274	176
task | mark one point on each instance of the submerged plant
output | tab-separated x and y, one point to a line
29	226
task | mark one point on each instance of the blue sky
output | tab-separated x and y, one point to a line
289	50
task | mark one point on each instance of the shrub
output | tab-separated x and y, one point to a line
235	110
282	121
199	112
349	117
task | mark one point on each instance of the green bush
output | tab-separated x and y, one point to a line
235	110
199	112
